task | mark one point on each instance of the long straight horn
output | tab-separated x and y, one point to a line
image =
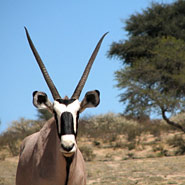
49	82
84	77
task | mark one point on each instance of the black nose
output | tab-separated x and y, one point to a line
67	148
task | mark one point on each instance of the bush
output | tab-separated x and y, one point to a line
87	153
108	127
131	145
16	133
178	142
96	143
161	151
2	157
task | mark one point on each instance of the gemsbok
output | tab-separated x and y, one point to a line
51	156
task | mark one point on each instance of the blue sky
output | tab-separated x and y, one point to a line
65	33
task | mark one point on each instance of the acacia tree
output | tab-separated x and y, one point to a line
153	74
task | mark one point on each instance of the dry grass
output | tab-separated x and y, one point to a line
156	171
166	170
122	152
8	171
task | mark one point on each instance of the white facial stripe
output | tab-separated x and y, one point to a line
73	108
57	108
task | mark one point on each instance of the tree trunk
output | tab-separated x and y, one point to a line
172	123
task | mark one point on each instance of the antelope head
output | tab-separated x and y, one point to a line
65	110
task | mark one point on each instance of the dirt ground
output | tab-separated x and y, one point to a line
149	171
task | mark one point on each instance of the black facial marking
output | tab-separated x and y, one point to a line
67	123
66	102
77	118
68	161
42	99
55	114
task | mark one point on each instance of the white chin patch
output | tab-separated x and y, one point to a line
68	142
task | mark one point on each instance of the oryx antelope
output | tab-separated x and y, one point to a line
51	156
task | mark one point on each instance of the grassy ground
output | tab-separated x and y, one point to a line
151	171
8	171
156	171
119	151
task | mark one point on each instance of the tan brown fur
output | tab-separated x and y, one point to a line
42	163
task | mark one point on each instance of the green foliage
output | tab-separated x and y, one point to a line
153	73
159	20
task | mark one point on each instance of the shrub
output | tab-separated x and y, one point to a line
87	153
118	144
133	132
96	143
129	156
17	132
108	127
179	142
2	157
131	145
161	151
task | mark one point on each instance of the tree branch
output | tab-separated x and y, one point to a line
172	123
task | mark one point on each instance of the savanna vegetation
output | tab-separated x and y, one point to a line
117	149
106	131
152	78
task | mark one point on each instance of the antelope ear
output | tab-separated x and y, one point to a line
91	99
41	101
